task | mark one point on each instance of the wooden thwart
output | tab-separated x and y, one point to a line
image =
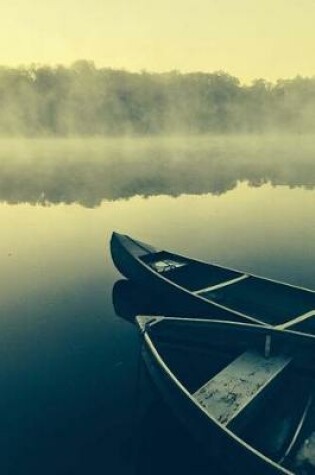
222	284
241	386
296	320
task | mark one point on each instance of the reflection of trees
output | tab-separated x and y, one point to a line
88	172
84	100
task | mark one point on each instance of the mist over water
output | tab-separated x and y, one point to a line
72	400
89	171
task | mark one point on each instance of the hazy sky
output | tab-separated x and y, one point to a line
247	38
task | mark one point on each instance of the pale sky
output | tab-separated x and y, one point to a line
246	38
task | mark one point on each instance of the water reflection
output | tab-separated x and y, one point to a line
89	172
130	300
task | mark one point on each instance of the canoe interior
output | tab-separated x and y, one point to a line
306	326
273	429
271	302
191	275
266	300
217	344
197	356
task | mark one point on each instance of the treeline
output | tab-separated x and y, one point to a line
85	100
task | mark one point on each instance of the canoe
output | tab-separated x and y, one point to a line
204	289
245	392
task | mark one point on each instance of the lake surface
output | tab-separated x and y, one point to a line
74	395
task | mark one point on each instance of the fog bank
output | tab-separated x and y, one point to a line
85	100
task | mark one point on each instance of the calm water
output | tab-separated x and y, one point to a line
74	396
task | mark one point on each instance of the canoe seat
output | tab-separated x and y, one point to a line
236	393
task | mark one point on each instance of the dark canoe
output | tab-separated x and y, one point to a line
197	288
251	412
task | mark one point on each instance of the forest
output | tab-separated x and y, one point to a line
83	100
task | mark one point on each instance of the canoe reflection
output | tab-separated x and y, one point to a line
131	299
